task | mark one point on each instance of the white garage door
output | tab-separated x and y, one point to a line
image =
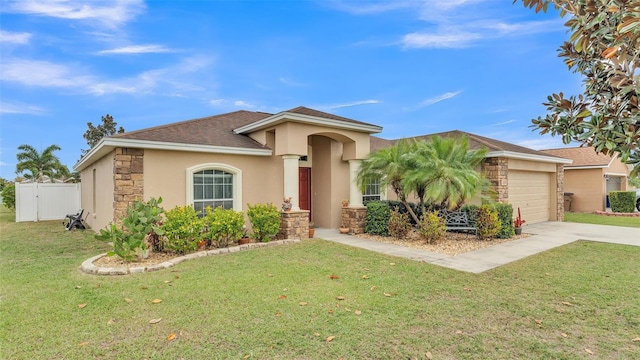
531	191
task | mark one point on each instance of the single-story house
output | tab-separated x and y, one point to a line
254	157
590	177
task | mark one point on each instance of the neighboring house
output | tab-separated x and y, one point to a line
254	157
590	177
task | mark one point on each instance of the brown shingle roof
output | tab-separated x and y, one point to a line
475	142
212	130
581	156
321	114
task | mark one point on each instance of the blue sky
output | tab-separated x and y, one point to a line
413	67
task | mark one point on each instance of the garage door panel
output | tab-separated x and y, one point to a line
530	191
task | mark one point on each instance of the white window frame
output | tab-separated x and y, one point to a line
237	181
382	192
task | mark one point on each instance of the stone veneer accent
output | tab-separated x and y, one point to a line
353	218
560	192
128	185
496	170
294	225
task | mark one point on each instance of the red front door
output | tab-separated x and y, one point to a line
304	189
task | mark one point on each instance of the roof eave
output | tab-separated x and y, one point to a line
106	145
530	157
284	116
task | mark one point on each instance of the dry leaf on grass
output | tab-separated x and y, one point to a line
357	312
392	264
156	301
278	314
128	300
567	303
155	321
111	321
588	351
339	297
282	297
302	303
429	355
564	335
636	339
316	334
330	338
171	337
82	306
78	287
387	294
84	343
458	332
373	288
333	277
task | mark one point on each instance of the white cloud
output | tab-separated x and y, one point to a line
439	98
19	108
503	123
137	49
42	73
370	7
14	37
433	40
290	82
349	104
243	104
110	14
172	79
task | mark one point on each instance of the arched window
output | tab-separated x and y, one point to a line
214	185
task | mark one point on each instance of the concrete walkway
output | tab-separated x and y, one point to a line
545	236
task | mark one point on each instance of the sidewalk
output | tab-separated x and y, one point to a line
545	236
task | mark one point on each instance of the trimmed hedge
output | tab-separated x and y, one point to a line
377	221
622	201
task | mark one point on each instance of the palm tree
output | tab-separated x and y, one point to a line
389	165
36	165
442	171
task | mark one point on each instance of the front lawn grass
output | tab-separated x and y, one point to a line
588	218
280	303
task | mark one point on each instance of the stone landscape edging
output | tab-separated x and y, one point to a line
88	267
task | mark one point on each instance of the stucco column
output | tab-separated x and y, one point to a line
291	178
355	195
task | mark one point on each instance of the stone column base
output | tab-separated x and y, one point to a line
353	218
294	225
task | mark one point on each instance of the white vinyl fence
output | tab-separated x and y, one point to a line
44	201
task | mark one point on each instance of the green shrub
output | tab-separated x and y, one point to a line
402	208
488	223
142	220
432	227
265	220
472	213
182	229
223	226
399	224
9	195
622	201
377	220
505	215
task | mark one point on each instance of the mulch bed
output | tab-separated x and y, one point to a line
452	244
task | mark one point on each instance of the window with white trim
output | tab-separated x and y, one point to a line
212	188
214	184
371	190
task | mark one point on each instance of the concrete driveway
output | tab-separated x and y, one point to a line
545	236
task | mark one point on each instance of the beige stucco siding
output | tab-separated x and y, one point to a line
97	192
587	186
165	175
329	182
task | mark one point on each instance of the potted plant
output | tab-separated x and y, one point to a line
312	230
245	238
517	223
286	204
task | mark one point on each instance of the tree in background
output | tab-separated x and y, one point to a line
35	166
605	48
8	194
96	133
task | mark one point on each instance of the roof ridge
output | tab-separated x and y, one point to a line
163	126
